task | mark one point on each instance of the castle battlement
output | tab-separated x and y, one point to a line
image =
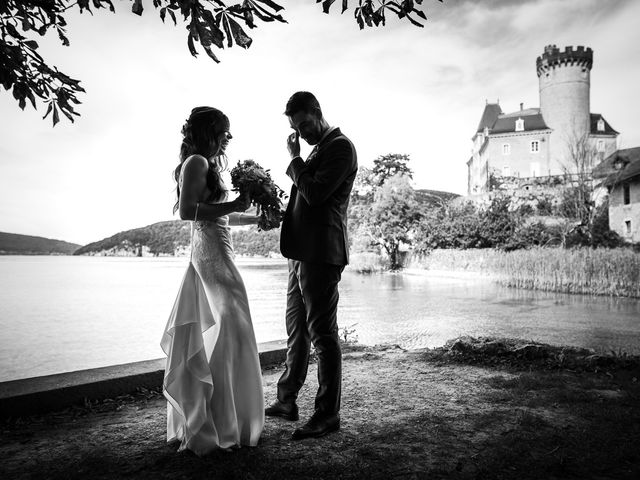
554	57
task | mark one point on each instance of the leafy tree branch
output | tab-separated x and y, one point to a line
213	24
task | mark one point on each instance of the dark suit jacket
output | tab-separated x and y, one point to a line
314	227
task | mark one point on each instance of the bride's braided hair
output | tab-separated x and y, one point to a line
199	137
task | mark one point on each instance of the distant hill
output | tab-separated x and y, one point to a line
173	237
434	197
16	244
162	238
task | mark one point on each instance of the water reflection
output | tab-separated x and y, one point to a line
420	311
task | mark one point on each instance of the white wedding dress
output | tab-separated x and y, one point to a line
213	380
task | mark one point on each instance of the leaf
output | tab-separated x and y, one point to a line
345	5
420	13
227	29
63	37
13	32
239	35
271	4
407	5
16	91
26	24
84	5
173	17
416	23
359	18
137	7
56	116
32	44
209	29
265	15
326	5
32	99
48	110
190	44
163	13
248	18
211	54
67	114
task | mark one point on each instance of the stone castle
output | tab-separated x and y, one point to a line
536	142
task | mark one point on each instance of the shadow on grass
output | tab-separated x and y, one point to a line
495	420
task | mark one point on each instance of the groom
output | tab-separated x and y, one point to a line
314	239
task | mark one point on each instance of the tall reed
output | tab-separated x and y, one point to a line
614	272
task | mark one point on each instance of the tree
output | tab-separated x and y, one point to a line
211	23
393	216
387	166
579	198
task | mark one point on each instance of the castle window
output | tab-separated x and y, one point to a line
626	194
535	146
506	171
601	125
506	149
627	227
519	125
600	145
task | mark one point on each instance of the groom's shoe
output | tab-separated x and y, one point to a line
288	411
318	425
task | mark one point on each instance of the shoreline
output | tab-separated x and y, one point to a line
42	394
47	393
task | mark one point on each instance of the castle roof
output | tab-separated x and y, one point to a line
532	121
618	167
489	116
498	122
608	130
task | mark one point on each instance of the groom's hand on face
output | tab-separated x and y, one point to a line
293	145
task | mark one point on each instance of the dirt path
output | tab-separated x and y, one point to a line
405	415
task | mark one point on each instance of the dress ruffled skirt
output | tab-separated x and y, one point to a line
213	380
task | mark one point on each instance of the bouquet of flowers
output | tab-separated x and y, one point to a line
249	177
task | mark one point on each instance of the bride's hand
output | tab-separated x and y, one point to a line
242	203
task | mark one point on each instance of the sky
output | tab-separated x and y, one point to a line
395	89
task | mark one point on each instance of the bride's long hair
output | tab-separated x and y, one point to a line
200	133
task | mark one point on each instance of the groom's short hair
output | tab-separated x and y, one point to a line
302	102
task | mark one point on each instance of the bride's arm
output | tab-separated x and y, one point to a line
239	219
194	180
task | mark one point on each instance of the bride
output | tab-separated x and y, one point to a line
213	381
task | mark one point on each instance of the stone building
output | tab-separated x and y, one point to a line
620	173
537	142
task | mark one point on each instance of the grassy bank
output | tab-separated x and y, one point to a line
614	272
367	262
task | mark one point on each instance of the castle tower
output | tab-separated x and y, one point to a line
564	82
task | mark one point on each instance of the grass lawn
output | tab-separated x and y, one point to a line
474	409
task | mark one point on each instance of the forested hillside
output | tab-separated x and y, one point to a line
162	238
172	238
15	244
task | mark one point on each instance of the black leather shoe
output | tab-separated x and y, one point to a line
288	411
318	425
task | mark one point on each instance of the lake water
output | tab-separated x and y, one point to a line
61	314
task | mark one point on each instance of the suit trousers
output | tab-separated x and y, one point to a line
312	306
